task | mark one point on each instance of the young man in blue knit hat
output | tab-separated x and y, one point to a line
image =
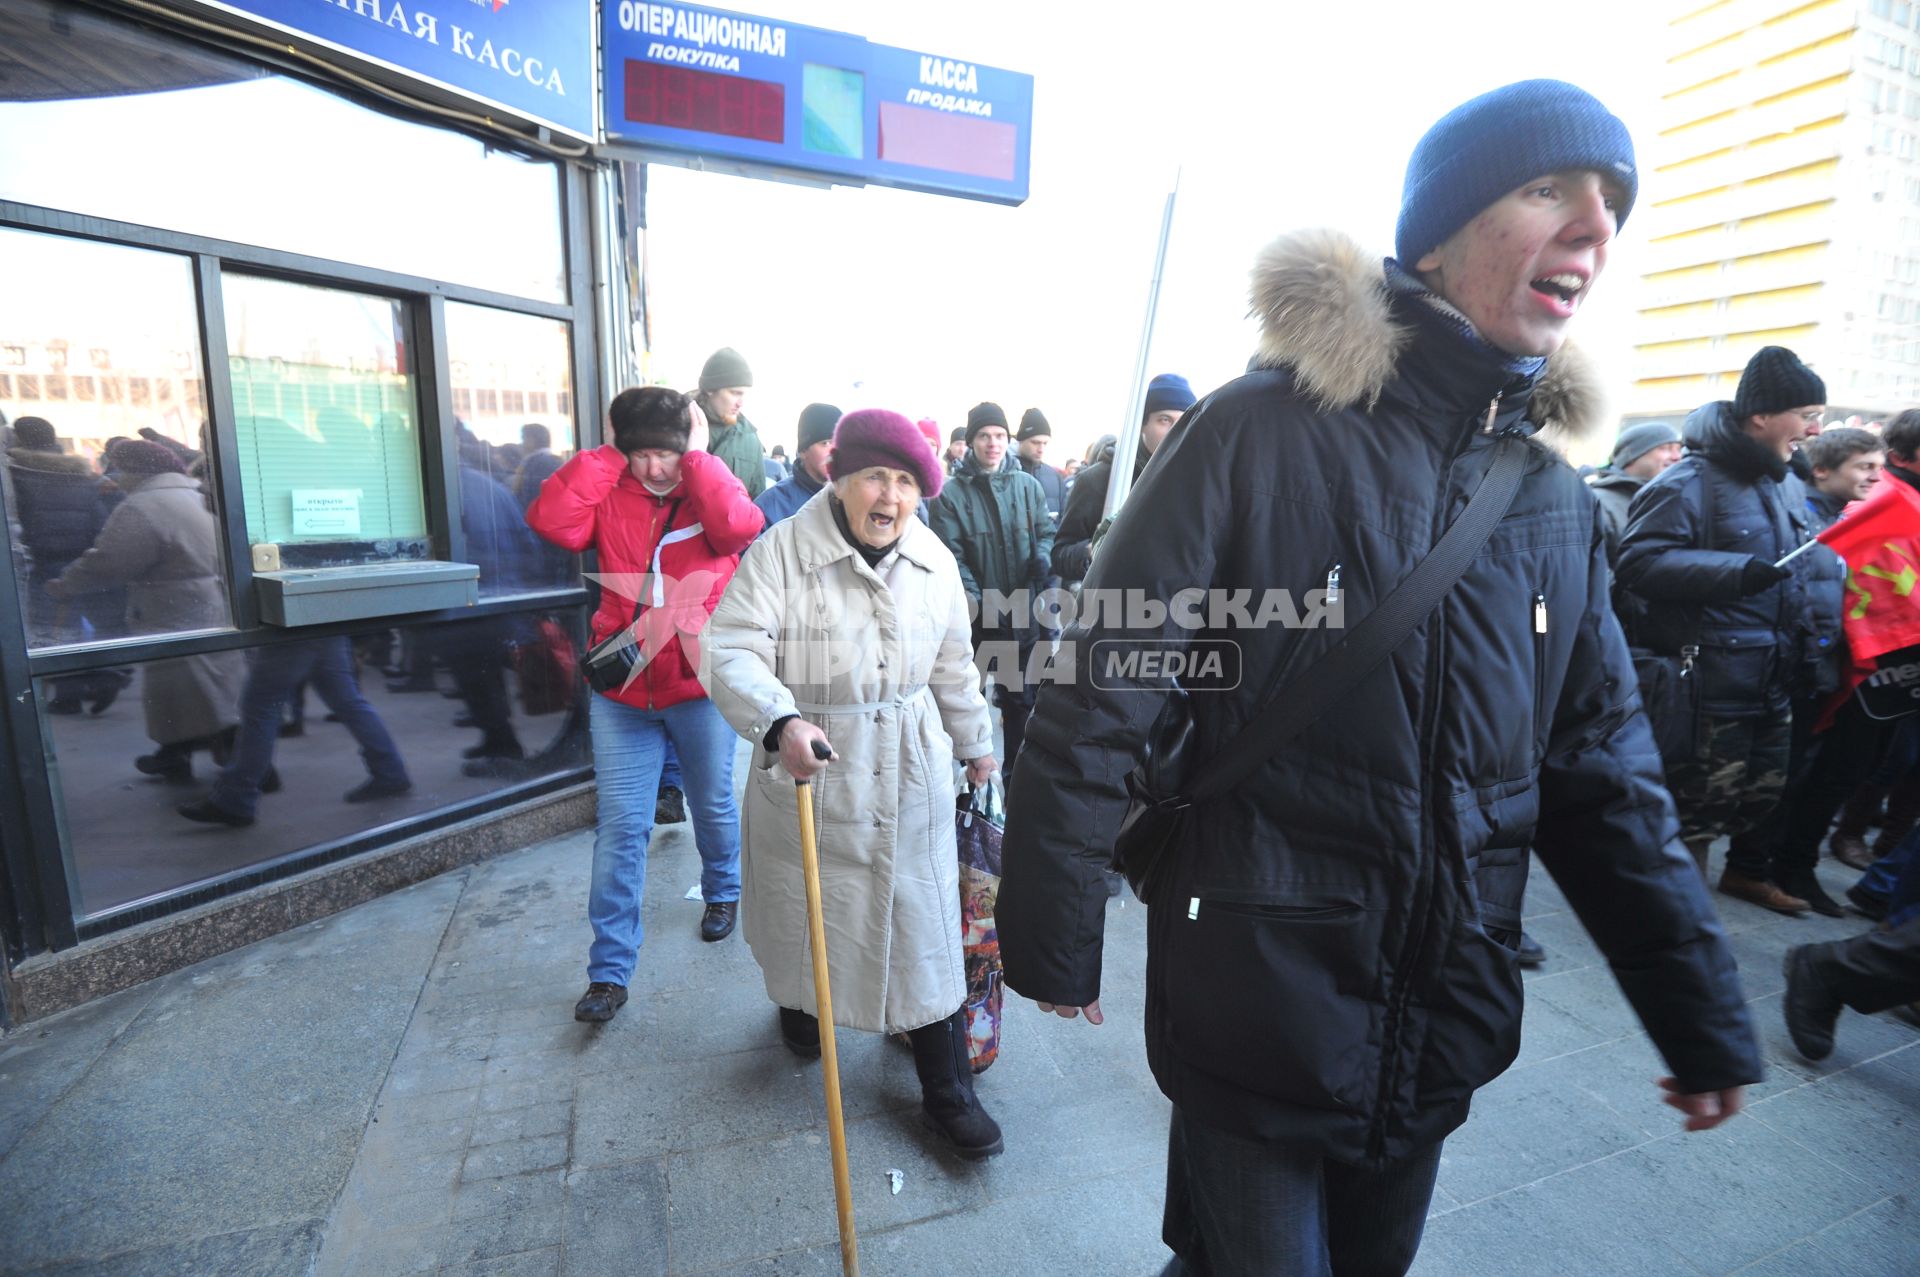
1168	395
1332	965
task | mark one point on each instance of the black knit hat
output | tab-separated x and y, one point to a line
1776	380
1033	423
959	435
817	421
725	368
982	415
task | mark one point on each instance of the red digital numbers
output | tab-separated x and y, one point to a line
703	102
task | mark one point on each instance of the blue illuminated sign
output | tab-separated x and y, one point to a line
532	59
786	98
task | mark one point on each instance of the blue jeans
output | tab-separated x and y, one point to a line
628	749
1895	878
326	665
670	770
1238	1208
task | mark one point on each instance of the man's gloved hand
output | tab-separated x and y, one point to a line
1760	575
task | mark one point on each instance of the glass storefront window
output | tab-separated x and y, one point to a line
512	381
326	416
298	743
106	474
104	118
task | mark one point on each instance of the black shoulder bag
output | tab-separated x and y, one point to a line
1157	787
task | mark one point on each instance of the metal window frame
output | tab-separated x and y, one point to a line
35	872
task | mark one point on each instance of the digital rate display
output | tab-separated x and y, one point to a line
777	99
702	102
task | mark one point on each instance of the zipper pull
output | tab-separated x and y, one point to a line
1333	585
1193	909
1539	614
1493	410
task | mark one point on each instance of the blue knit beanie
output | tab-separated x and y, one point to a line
1167	392
1484	149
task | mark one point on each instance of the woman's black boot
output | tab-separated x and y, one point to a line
801	1033
946	1089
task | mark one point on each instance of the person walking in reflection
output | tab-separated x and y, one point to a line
669	521
163	546
279	671
476	650
57	500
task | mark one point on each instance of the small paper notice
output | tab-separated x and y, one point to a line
326	512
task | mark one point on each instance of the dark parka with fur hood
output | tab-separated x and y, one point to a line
1691	534
1334	962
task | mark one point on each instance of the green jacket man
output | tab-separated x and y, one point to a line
730	436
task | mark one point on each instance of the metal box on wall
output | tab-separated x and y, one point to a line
315	596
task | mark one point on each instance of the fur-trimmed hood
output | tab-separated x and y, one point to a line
61	463
1326	313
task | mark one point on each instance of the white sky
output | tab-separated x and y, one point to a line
1279	116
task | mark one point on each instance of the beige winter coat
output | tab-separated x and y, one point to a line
163	546
880	660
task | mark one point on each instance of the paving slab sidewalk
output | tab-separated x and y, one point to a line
402	1089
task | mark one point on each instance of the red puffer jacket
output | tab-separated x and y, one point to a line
594	502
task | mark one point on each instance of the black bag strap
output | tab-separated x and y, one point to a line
1313	692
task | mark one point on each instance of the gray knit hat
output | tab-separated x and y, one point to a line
725	368
1639	439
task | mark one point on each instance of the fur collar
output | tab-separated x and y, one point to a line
1325	313
64	463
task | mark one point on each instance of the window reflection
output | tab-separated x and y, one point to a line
348	183
326	419
512	381
320	739
108	495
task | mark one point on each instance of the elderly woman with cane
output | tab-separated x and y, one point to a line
847	625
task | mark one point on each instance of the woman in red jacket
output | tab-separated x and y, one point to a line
669	521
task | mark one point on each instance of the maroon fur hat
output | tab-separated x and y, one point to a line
877	437
138	456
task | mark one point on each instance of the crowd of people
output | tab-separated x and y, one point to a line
1365	883
1614	677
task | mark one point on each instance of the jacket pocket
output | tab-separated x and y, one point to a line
1277	996
1736	675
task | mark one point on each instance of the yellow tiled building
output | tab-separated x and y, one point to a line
1786	204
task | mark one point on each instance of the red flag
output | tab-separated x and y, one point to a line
1879	538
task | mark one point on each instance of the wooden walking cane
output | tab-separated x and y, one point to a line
829	1062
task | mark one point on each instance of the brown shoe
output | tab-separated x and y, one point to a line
1758	891
1850	850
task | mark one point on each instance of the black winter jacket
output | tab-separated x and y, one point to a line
59	507
1051	482
1826	663
1334	962
1691	533
1086	506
